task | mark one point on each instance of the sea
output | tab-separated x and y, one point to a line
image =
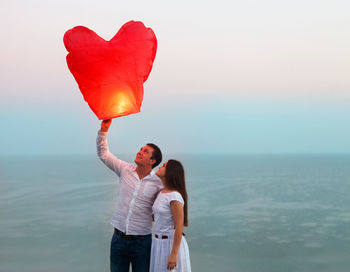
247	213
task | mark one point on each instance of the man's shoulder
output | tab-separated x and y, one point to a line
154	177
156	182
128	166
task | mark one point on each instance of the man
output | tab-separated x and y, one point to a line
132	218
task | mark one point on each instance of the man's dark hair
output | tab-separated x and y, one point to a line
156	154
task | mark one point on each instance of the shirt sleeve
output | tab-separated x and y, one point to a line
175	196
111	161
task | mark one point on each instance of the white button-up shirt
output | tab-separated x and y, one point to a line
133	211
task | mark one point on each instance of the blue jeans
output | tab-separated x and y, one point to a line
136	251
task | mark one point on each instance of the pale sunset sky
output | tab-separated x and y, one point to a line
268	76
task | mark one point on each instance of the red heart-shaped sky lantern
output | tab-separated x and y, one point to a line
110	74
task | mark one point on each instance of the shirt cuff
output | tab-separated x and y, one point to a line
102	133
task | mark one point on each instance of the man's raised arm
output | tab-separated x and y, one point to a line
103	153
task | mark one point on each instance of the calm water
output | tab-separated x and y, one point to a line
247	213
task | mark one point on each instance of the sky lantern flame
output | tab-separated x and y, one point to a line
110	74
121	102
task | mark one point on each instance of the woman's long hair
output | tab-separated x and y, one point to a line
175	180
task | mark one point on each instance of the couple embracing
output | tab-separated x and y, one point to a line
146	196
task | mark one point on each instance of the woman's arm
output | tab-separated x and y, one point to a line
178	216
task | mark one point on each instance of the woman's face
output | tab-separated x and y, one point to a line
161	171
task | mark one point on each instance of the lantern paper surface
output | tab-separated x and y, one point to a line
110	74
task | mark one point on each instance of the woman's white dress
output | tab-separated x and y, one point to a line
164	226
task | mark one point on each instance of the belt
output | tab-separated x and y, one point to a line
161	237
164	236
130	237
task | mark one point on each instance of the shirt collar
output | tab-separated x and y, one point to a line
150	175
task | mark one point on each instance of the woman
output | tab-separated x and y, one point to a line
169	246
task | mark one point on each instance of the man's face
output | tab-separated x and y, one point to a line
143	157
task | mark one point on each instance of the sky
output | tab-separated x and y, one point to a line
229	77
